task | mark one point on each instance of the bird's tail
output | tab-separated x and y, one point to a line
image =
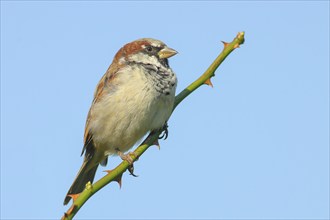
85	174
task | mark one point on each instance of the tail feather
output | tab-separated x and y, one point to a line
85	174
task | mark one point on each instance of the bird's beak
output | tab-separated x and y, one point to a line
166	53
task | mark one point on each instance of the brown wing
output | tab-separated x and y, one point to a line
100	91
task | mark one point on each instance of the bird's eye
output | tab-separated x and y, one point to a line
149	48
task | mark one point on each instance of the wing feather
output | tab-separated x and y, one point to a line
101	90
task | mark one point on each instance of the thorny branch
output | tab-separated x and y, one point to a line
116	174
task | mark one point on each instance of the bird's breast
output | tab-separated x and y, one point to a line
140	103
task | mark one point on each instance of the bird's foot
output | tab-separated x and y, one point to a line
129	159
126	157
164	133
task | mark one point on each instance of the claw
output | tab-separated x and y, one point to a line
164	132
118	180
131	170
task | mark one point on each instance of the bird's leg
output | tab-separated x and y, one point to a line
126	157
164	133
129	159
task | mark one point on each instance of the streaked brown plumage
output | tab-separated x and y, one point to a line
134	96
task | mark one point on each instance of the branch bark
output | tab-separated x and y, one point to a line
116	174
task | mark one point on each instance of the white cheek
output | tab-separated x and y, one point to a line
145	59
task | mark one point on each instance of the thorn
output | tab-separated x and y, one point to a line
74	196
118	180
156	143
236	46
108	171
65	216
208	82
71	209
225	44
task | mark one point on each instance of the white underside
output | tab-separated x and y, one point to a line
130	110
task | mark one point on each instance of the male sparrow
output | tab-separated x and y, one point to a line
134	96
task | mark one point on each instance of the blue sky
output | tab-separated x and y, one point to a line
256	146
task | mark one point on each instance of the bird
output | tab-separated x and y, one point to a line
135	96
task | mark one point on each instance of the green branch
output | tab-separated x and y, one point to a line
116	174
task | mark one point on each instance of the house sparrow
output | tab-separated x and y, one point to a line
134	96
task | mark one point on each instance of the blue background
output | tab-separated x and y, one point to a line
256	146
